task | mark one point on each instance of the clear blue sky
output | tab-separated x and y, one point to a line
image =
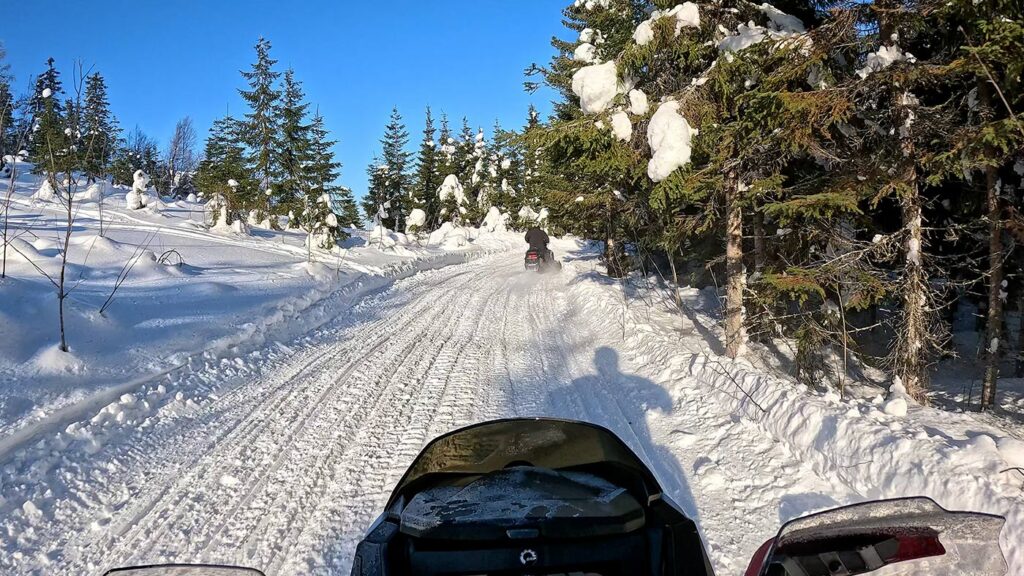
165	60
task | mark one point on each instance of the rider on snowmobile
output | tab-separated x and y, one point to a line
538	240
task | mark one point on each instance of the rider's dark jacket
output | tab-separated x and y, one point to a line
537	239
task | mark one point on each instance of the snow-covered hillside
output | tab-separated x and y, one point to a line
189	294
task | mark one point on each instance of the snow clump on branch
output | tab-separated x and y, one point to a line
669	135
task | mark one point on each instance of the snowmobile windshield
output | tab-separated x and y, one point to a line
908	536
184	570
544	443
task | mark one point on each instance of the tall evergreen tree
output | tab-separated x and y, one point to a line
327	207
48	141
99	128
293	145
224	162
377	202
395	159
8	130
261	130
984	77
428	177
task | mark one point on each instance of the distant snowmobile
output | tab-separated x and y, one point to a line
545	497
539	258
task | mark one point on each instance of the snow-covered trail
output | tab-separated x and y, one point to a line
292	458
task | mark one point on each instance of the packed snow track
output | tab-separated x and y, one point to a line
291	452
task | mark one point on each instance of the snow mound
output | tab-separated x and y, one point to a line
449	236
20	250
669	135
1012	451
596	86
386	240
45	192
416	219
94	192
495	221
52	361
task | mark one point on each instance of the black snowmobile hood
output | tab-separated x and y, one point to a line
541	442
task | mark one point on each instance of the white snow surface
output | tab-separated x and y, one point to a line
596	86
252	408
669	135
279	455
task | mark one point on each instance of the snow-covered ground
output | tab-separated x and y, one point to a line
302	396
190	294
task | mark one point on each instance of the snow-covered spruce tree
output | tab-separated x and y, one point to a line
292	147
478	181
507	166
48	136
423	194
261	128
99	128
445	150
590	169
327	207
8	130
462	157
984	76
324	170
223	164
377	203
137	151
395	159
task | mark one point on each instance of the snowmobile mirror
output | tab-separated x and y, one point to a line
184	570
909	536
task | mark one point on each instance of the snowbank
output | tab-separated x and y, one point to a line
879	449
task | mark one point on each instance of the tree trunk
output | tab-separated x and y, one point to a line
735	278
1019	372
913	342
994	323
911	368
760	251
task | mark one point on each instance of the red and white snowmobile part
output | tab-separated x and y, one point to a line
907	536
